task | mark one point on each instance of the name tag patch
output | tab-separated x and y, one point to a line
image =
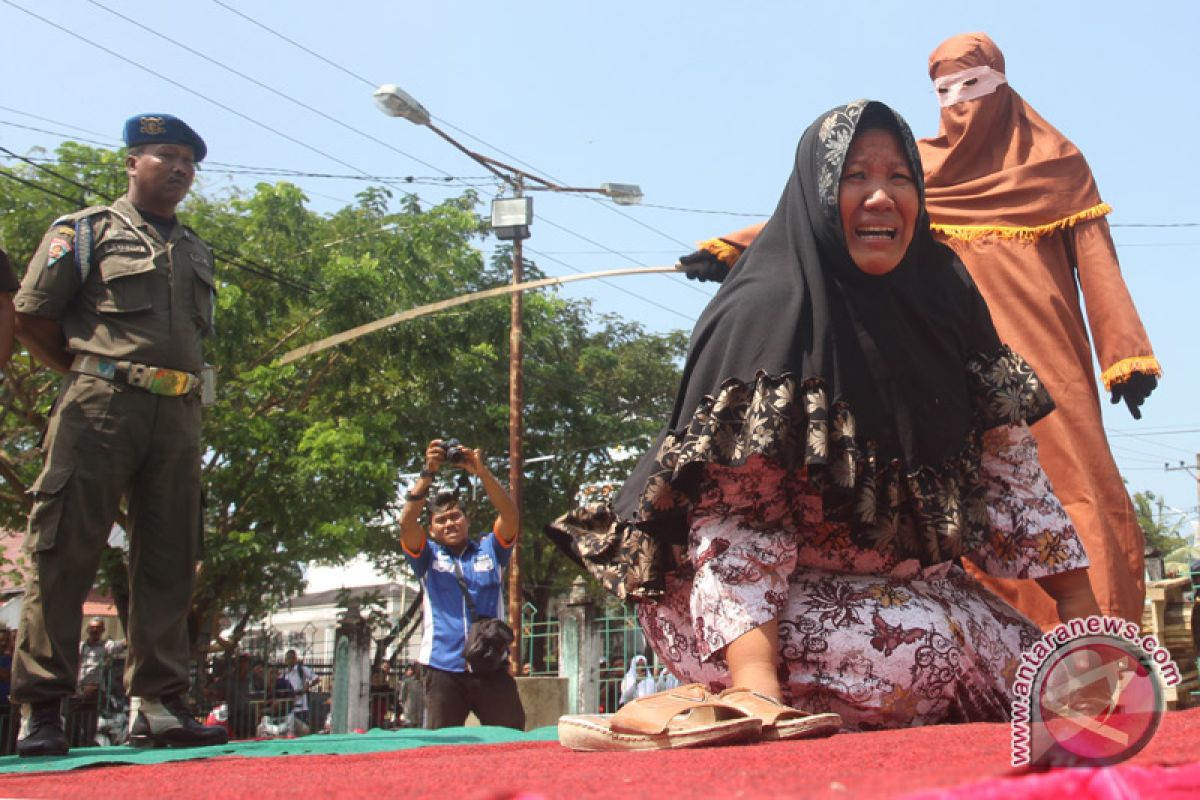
484	563
122	247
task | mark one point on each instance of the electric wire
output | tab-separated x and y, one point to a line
317	111
286	172
492	147
264	86
108	144
188	89
47	119
481	181
236	260
307	107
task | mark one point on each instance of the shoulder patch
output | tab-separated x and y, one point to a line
61	243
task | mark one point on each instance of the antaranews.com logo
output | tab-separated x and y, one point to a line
1089	693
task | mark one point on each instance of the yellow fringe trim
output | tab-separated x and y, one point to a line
1120	371
968	233
728	253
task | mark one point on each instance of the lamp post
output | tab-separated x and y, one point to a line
511	218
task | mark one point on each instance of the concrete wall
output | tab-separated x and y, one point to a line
544	699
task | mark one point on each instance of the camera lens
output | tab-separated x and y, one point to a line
454	451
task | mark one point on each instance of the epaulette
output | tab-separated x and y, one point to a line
69	219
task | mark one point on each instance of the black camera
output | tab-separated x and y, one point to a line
454	451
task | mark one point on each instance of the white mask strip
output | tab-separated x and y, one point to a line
953	88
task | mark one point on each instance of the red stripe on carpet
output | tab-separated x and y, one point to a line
880	764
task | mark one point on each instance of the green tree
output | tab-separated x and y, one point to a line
1160	534
304	462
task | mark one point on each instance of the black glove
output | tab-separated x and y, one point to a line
1134	390
704	266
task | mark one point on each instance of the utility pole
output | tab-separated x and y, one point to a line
1194	471
511	218
516	430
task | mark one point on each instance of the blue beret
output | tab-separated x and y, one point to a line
163	129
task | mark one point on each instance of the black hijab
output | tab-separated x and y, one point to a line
889	350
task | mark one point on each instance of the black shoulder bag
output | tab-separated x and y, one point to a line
488	638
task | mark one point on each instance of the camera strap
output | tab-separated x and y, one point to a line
462	584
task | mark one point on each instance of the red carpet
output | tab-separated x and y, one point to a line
936	763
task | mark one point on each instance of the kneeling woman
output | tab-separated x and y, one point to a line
849	431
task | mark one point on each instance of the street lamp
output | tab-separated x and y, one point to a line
511	219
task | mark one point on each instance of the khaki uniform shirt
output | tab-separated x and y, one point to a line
141	300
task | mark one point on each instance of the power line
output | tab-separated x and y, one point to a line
294	43
1153	432
441	121
276	92
533	169
763	216
190	90
59	135
286	172
1154	224
241	262
1160	445
483	179
6	174
48	171
46	119
262	85
264	271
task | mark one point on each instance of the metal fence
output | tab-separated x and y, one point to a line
96	715
539	642
622	642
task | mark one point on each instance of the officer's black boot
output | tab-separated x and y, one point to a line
166	722
42	731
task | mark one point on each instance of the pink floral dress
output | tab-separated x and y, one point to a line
881	641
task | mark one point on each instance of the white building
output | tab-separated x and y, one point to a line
308	623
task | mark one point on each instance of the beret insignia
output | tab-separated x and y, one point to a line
152	126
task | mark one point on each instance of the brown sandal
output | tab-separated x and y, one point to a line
686	716
780	721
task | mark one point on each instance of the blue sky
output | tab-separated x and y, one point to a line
701	103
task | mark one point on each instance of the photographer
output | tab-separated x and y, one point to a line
448	563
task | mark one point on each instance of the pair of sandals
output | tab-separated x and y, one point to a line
691	716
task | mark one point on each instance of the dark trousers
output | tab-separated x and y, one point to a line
106	440
450	696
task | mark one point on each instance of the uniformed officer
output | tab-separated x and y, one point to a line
119	298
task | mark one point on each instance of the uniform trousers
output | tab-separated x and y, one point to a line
106	441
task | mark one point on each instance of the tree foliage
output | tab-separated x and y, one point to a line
304	462
1160	534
